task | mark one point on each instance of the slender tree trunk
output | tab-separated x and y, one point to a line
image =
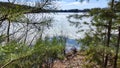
42	30
26	33
8	32
108	35
108	42
103	58
117	49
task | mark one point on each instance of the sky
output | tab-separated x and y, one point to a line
61	22
72	4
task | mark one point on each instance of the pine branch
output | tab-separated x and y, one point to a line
11	61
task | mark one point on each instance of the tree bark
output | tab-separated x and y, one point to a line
8	32
26	33
117	50
108	35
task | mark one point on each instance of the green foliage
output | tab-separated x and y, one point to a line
49	50
13	51
44	52
95	55
19	55
2	38
103	21
13	12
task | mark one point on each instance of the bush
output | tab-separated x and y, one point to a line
42	54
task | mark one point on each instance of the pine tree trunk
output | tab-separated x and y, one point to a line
8	32
26	33
117	50
108	35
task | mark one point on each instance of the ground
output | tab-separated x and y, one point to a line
76	61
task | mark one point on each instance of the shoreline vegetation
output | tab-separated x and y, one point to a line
40	10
